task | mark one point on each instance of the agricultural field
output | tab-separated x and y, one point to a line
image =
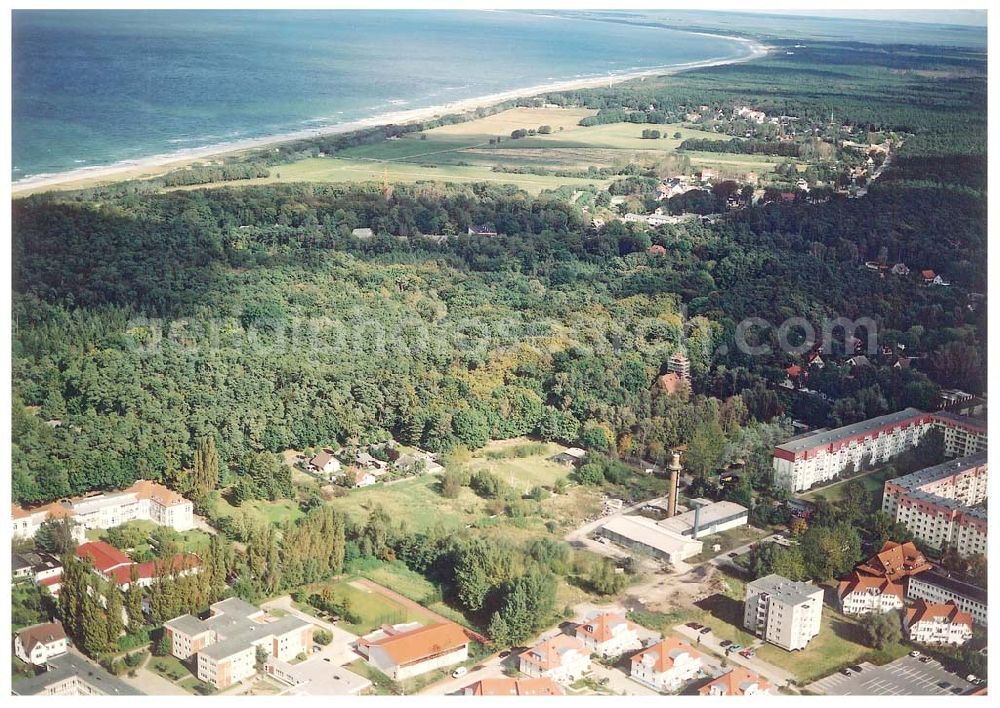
462	153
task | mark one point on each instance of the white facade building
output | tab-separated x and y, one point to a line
821	456
37	644
941	505
563	659
608	634
666	665
937	588
938	624
860	594
783	612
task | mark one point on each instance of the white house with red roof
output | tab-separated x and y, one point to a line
609	634
666	665
860	594
116	567
938	624
562	658
739	681
37	644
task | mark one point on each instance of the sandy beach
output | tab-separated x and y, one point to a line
160	164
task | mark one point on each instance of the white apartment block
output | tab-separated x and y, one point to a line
963	435
666	665
783	612
940	505
143	501
937	588
226	643
821	456
938	624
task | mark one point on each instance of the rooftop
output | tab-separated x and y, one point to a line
69	666
649	533
420	643
789	591
41	634
104	555
917	479
709	514
515	687
663	654
813	440
735	682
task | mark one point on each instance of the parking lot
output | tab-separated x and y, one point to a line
907	676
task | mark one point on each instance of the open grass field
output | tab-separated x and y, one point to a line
463	153
874	482
371	609
275	512
503	458
838	643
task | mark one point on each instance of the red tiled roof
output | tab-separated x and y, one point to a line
104	555
599	628
422	643
548	654
895	561
516	687
671	382
928	274
150	569
923	611
856	582
656	250
793	371
664	652
735	682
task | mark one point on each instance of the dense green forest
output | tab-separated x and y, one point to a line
146	320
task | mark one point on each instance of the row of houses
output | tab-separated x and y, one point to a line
942	608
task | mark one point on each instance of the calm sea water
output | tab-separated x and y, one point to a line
93	88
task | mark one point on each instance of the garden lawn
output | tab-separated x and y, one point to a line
874	482
838	643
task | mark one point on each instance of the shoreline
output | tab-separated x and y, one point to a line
154	165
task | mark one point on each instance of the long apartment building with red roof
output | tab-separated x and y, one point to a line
821	456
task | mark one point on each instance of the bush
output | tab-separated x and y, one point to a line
322	637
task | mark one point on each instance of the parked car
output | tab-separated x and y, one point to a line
706	630
855	669
459	672
735	647
734	554
747	653
957	690
847	672
504	654
944	684
914	654
926	660
695	625
725	643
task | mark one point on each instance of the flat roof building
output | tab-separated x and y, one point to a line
782	611
649	537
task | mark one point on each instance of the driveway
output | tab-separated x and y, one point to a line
776	675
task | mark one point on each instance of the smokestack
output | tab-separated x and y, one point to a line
675	473
697	521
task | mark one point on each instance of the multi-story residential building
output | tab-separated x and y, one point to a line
37	644
820	456
666	665
963	435
737	682
143	501
226	643
514	687
939	504
895	562
71	675
783	612
860	594
938	587
416	650
608	634
563	659
938	624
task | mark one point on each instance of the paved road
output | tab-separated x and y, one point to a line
150	683
775	674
